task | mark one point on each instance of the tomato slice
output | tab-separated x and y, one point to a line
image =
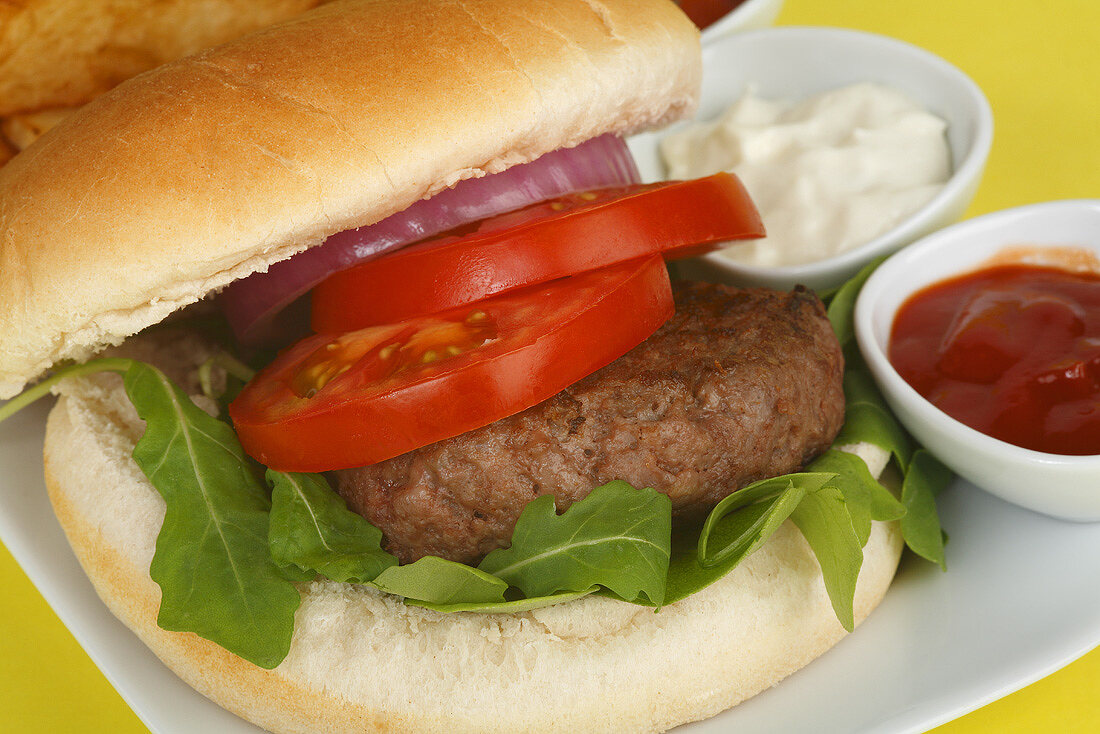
335	402
560	237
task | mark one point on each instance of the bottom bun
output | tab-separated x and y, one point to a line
363	661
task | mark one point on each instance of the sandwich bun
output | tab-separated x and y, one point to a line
210	168
362	660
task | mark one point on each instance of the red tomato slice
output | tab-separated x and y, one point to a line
334	402
561	237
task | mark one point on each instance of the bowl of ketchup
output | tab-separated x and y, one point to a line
985	339
717	18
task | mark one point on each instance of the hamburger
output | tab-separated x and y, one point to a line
193	177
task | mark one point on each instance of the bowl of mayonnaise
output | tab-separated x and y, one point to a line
851	144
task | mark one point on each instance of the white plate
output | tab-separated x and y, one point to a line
1018	602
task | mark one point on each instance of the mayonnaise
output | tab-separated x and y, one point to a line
828	173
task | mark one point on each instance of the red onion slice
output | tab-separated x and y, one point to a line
252	304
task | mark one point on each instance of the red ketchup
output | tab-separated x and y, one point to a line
1012	351
705	12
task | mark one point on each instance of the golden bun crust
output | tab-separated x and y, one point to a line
66	52
210	168
363	661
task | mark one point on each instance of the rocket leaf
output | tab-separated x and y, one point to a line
842	303
212	563
864	497
617	537
514	606
865	422
921	525
437	581
751	516
313	530
824	520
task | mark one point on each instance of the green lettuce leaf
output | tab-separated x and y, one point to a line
853	488
313	530
825	522
885	507
921	525
842	304
617	537
735	528
867	419
860	387
864	497
440	582
507	607
751	515
867	423
212	563
685	574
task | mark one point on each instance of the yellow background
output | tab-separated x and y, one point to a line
1039	65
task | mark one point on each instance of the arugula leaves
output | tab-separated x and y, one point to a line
617	537
764	506
514	606
826	524
842	303
212	562
313	530
868	420
866	499
832	504
439	583
920	525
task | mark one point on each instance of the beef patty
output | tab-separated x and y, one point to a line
739	385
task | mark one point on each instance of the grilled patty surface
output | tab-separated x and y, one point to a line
737	386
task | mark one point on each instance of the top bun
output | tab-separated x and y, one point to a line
213	167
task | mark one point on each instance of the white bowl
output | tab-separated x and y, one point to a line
747	16
1067	487
794	63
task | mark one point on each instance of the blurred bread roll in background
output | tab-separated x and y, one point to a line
23	129
63	53
6	151
56	55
